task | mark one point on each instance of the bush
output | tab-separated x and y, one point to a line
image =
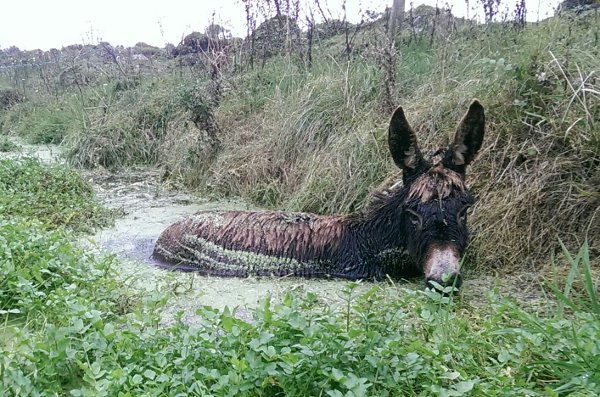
52	194
130	134
54	297
9	98
47	126
42	273
380	343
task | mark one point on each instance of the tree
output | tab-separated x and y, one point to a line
396	17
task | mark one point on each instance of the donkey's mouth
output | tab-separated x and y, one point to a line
453	280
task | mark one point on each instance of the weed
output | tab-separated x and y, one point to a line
47	126
6	145
53	194
415	343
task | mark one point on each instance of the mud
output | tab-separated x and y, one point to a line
147	206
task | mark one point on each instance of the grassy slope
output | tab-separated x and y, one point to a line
315	140
536	178
69	329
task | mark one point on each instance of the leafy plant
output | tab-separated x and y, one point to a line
377	343
53	194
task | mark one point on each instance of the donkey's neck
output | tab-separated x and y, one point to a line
380	235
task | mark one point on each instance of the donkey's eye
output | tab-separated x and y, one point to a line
462	215
415	218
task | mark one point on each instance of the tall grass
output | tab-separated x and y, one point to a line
316	142
314	139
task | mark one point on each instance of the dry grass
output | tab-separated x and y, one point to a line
318	142
315	140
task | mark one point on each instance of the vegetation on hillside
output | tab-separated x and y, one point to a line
309	134
306	131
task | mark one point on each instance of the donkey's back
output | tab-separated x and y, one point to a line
242	243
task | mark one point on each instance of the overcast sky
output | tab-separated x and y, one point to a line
31	24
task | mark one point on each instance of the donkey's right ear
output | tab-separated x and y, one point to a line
402	141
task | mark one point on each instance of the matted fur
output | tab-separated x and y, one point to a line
439	183
286	238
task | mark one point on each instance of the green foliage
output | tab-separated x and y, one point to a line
53	194
376	344
53	296
42	274
47	125
132	129
199	107
6	145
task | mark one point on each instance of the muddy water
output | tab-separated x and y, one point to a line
45	153
147	206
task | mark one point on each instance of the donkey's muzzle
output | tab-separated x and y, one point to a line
442	267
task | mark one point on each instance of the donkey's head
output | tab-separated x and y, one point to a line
437	199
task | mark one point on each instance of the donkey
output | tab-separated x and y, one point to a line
415	227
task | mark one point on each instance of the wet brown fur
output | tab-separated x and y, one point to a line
279	234
438	183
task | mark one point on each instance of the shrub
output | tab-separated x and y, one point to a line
53	194
379	343
47	126
8	98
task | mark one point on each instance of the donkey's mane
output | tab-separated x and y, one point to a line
436	183
380	200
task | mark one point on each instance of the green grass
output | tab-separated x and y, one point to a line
74	331
6	145
132	127
47	124
55	195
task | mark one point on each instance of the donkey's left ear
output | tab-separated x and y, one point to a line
468	139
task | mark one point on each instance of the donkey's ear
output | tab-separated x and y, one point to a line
468	139
402	141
